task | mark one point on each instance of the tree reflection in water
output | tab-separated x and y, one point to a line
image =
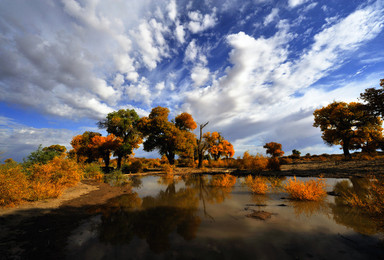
155	218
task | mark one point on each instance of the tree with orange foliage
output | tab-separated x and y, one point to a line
274	149
123	124
82	149
105	145
169	138
349	125
218	146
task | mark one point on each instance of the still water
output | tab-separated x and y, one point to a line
188	218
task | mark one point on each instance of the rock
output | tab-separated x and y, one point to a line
261	215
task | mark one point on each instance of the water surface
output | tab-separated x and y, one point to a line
189	218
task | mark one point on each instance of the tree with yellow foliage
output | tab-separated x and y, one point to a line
347	124
218	146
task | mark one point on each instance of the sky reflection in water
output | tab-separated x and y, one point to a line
189	218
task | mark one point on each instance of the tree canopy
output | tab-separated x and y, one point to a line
374	99
347	124
123	124
274	149
170	138
218	146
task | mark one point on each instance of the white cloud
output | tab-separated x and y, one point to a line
199	75
26	139
271	17
294	3
201	22
180	33
172	10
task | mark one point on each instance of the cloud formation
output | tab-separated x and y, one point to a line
255	70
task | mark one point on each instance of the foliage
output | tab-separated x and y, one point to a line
374	99
256	163
39	181
167	168
104	146
123	124
13	185
93	171
217	146
310	190
44	155
116	178
348	125
274	149
295	154
169	138
257	184
273	164
51	179
135	166
82	147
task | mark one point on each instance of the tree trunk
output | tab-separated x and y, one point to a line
200	149
200	160
346	149
171	158
119	159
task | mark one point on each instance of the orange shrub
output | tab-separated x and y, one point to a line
257	185
49	180
253	162
13	185
310	190
167	168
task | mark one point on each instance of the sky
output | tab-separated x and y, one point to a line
256	70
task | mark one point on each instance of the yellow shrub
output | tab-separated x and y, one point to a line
167	168
257	185
13	185
310	190
49	180
253	162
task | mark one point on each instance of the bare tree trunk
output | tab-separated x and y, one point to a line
200	149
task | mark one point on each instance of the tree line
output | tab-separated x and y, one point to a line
126	131
354	125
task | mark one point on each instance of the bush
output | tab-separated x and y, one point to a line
93	171
256	163
310	190
257	185
136	166
273	164
13	185
167	168
49	180
285	160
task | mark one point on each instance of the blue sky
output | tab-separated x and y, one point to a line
256	70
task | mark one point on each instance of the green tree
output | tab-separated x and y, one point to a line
347	124
170	138
123	124
44	155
